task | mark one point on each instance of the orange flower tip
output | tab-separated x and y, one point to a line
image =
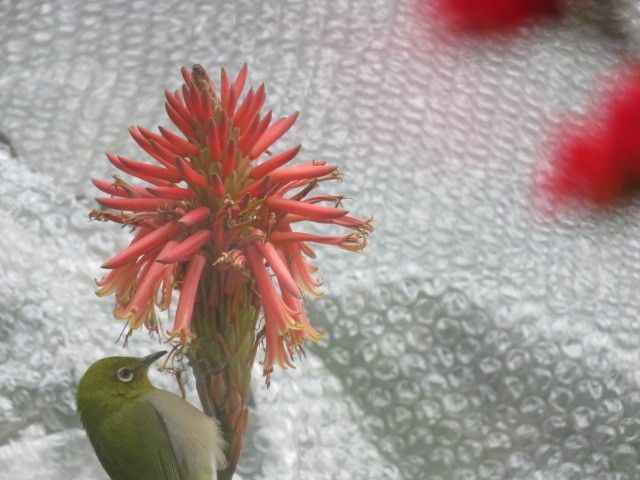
365	226
228	161
213	142
100	184
308	210
185	148
189	174
187	248
195	216
285	280
146	142
217	187
231	103
166	155
301	172
275	310
178	120
149	204
135	133
274	162
273	133
147	134
178	108
315	335
175	193
256	189
146	244
139	132
349	241
119	188
184	311
113	158
184	334
186	74
248	98
266	120
241	79
108	265
169	174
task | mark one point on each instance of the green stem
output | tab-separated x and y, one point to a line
222	356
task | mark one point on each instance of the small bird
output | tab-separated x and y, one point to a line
141	432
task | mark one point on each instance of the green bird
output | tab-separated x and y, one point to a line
140	432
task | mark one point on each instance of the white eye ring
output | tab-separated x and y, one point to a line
125	374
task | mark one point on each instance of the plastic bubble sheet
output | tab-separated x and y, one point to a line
476	339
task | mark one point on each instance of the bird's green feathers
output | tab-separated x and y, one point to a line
140	432
133	444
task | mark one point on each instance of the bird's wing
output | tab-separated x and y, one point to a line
134	445
196	439
165	465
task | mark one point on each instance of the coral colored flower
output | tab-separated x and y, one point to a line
217	200
600	162
484	16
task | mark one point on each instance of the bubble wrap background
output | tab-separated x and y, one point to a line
474	341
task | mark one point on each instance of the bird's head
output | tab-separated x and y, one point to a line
113	380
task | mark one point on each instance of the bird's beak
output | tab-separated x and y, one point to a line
149	359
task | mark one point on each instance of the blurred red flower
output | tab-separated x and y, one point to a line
599	163
485	16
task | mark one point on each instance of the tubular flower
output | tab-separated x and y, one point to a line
599	163
485	16
218	209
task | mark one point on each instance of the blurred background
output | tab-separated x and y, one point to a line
477	339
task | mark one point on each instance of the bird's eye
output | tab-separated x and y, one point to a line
125	374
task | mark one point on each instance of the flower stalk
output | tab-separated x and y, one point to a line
218	221
222	355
